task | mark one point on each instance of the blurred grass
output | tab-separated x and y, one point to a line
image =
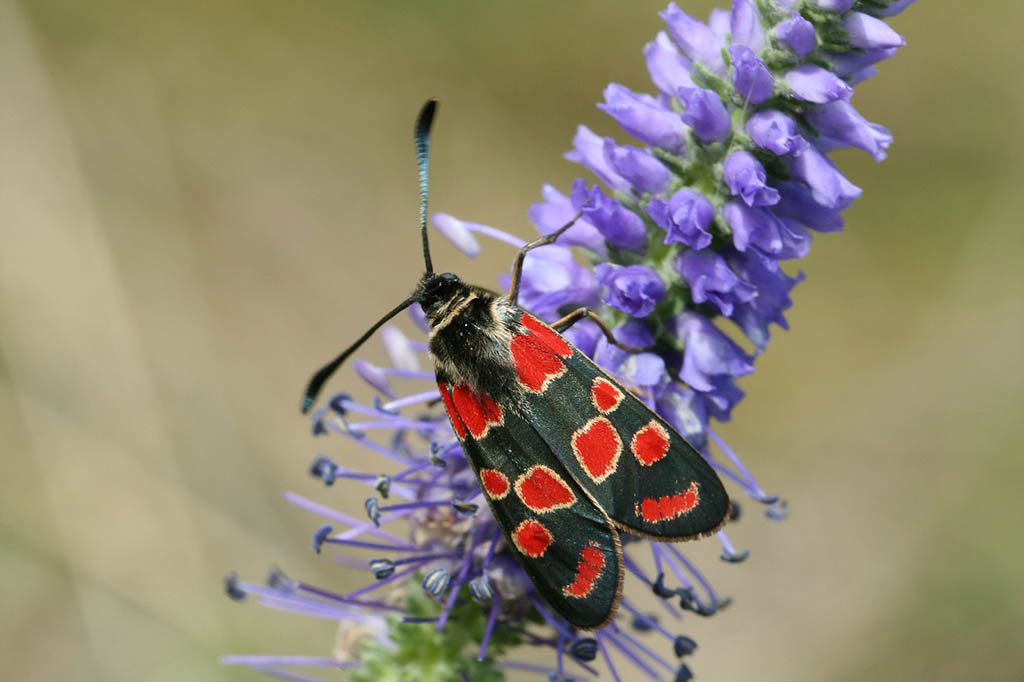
200	202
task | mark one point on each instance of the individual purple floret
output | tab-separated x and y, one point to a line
633	289
686	217
726	178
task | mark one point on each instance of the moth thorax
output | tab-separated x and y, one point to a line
440	294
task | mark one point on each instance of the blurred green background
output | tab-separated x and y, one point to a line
200	202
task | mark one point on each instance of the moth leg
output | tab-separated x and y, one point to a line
517	265
578	314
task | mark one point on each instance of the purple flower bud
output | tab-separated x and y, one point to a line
555	211
400	349
774	131
686	217
708	354
669	70
719	21
840	121
374	376
746	178
633	289
750	75
643	171
589	151
644	118
796	203
864	74
456	232
797	33
812	83
697	40
705	113
710	279
895	7
552	279
837	6
745	25
762	232
868	33
684	409
620	226
846	64
829	187
773	287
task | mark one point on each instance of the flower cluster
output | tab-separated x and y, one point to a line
728	177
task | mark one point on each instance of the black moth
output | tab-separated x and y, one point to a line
566	456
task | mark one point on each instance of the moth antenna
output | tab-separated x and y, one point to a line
423	123
325	372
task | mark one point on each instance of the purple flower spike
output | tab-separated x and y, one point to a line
555	211
589	151
620	226
774	131
829	187
751	77
669	70
745	25
705	113
644	118
633	289
812	83
643	171
837	6
708	354
745	177
868	33
797	33
457	233
686	217
710	279
695	38
840	121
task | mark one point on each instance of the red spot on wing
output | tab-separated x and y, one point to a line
495	483
650	443
655	509
478	412
548	336
597	447
542	490
532	538
605	394
536	364
453	415
588	570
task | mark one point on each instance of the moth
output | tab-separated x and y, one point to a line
566	457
